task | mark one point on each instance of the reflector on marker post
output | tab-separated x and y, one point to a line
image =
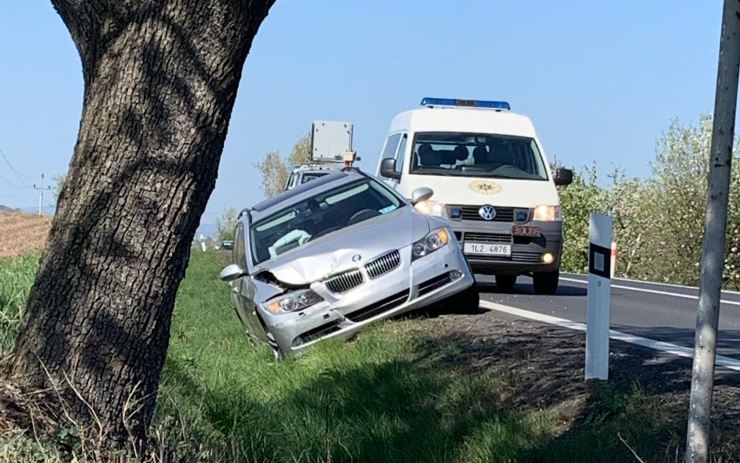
597	298
613	259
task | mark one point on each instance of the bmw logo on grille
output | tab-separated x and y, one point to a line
356	258
487	212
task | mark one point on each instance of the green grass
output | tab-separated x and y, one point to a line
368	400
385	396
16	278
381	397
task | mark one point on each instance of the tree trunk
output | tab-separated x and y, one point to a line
160	78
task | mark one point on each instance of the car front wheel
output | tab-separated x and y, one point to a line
277	352
466	301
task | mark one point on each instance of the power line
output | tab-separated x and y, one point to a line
20	176
13	185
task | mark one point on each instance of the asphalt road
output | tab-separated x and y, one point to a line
651	310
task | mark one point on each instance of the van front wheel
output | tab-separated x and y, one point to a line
505	283
546	282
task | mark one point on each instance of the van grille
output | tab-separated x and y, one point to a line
345	281
516	256
383	264
503	214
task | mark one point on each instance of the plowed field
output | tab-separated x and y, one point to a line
21	232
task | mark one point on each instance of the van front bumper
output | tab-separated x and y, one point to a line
527	253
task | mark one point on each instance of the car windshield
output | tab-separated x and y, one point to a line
320	215
477	155
308	176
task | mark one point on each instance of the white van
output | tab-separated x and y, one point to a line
491	180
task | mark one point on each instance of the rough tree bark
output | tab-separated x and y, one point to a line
160	81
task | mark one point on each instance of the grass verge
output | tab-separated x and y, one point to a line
16	278
431	390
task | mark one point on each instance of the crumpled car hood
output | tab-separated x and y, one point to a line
338	251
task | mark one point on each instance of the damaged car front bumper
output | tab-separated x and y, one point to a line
384	286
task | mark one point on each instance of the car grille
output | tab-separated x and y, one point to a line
379	307
503	214
434	283
316	333
345	281
516	256
497	238
383	264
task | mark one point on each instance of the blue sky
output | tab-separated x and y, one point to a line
600	80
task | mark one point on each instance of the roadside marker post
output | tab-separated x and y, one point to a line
598	296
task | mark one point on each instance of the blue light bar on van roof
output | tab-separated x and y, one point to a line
469	103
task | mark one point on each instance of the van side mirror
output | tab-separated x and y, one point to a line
231	272
421	194
388	169
563	177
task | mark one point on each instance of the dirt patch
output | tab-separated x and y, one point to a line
545	367
21	232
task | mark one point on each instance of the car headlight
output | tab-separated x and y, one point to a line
293	302
547	213
430	207
430	243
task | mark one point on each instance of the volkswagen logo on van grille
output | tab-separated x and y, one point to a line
487	212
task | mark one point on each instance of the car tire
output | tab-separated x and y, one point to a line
505	283
467	301
277	352
546	282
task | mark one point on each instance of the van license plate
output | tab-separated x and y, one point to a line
487	249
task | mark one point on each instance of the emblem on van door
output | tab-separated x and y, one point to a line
485	187
487	212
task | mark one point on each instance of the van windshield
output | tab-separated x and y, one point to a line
477	155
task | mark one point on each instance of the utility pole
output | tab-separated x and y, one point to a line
713	248
41	188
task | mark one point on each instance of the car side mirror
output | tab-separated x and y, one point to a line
563	177
421	194
388	169
231	272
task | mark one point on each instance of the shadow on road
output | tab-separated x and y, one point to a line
528	288
728	341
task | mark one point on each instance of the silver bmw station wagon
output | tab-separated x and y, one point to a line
333	255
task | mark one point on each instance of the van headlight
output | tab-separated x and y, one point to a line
430	207
547	213
293	302
430	243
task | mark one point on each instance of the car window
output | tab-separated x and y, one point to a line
240	254
320	215
391	143
401	154
308	176
477	155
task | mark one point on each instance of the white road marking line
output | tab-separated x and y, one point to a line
652	291
721	360
656	283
